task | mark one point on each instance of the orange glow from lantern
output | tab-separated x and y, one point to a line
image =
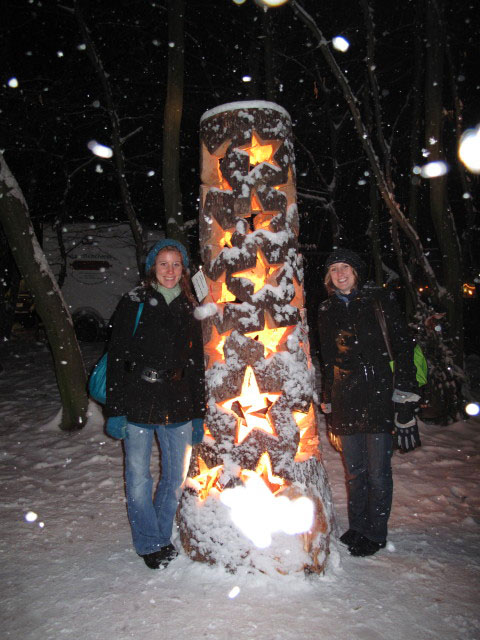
226	240
259	151
308	443
469	290
207	479
214	347
251	408
264	470
255	203
258	274
270	338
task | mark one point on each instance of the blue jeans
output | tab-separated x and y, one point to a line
368	470
151	517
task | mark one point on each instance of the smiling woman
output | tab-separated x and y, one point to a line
168	268
155	388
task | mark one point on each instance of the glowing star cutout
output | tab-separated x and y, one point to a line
297	300
271	339
207	479
259	274
261	150
255	203
308	443
214	347
264	471
251	408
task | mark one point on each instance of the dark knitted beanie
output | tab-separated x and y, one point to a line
349	257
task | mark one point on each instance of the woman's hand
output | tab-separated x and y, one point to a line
117	427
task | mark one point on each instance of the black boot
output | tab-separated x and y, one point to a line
350	537
365	547
160	558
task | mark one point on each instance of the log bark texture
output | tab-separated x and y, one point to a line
257	332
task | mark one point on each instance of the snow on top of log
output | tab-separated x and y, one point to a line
244	104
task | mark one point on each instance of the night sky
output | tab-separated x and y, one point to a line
58	107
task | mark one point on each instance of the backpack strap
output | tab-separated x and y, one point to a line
137	319
377	305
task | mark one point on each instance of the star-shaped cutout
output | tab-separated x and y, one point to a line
251	408
308	445
264	470
260	274
207	479
214	347
270	338
261	150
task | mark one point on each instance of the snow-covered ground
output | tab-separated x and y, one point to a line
72	572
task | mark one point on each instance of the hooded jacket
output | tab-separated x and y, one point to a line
358	380
167	338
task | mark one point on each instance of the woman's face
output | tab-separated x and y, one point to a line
342	277
168	268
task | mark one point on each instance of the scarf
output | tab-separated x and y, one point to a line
168	294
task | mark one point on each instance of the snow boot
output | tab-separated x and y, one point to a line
160	558
350	537
365	547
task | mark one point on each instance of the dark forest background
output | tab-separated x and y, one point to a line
414	105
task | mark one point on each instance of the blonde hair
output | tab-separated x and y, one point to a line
184	278
328	280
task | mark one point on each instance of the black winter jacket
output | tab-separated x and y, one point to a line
167	338
358	380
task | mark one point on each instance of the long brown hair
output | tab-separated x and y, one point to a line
184	278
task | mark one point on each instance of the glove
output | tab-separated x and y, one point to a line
326	407
401	397
407	434
117	427
198	430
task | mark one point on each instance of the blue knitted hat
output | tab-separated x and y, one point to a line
161	244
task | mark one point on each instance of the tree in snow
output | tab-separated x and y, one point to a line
51	307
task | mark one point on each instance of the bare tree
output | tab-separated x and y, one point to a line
447	359
117	140
49	302
172	121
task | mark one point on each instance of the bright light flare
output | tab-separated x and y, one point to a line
340	43
31	516
13	83
472	409
234	592
247	78
259	514
100	150
469	149
270	3
432	169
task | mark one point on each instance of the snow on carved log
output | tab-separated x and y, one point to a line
257	494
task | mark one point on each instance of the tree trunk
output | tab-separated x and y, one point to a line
172	121
440	210
117	141
268	55
49	302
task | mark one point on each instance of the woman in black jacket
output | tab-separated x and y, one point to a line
155	386
358	392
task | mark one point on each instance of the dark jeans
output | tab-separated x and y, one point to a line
368	471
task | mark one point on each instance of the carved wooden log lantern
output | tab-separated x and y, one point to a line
261	454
